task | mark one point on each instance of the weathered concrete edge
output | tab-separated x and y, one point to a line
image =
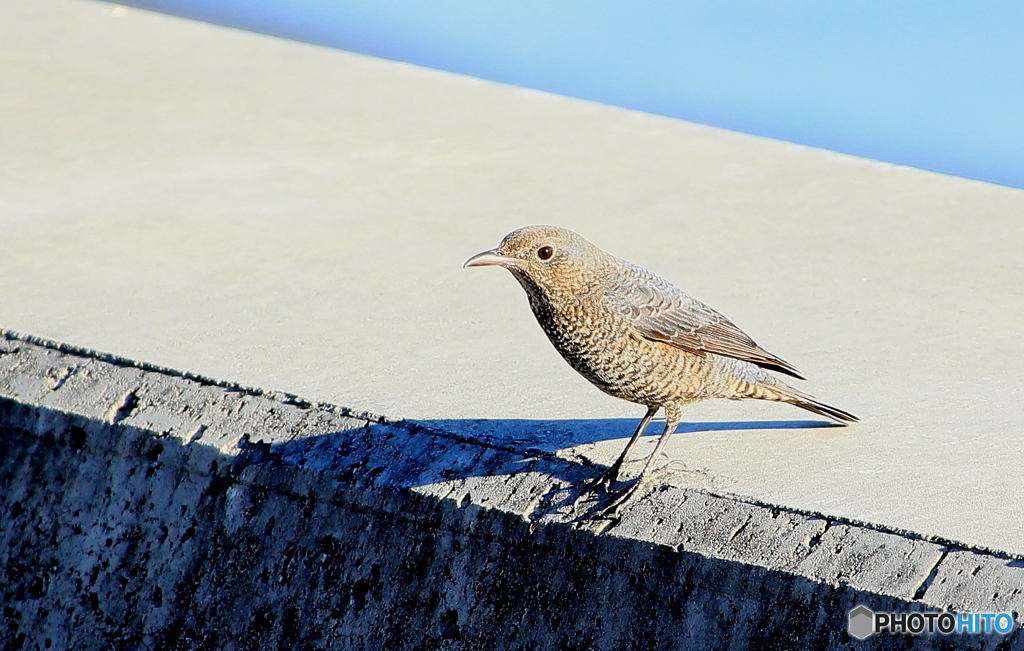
533	486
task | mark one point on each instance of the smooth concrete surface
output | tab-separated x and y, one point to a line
146	509
295	218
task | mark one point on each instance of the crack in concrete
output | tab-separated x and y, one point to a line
929	578
123	408
61	379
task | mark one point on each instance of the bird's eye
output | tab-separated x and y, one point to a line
545	252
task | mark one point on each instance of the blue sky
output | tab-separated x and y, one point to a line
936	85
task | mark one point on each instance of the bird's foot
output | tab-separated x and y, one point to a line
608	478
593	490
619	499
603	483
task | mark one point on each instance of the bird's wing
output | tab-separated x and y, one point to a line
659	310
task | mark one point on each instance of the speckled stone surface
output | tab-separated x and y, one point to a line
295	218
146	508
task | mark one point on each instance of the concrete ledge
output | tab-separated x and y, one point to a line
146	508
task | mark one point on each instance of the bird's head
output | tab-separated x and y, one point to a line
546	258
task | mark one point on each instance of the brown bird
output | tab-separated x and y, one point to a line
638	337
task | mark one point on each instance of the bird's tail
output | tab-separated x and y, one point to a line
820	408
784	393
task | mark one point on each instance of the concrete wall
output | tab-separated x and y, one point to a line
296	217
145	508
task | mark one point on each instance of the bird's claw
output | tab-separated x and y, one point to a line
602	483
619	498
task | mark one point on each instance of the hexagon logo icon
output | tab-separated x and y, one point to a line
861	622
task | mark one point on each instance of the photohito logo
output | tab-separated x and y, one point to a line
863	623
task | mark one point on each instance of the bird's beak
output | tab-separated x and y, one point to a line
487	259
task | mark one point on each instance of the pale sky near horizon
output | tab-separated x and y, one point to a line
935	85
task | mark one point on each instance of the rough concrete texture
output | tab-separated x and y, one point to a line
296	218
144	508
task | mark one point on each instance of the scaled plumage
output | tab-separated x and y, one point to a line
637	336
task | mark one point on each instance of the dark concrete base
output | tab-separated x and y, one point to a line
142	508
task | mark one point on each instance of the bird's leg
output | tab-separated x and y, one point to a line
672	415
612	474
671	423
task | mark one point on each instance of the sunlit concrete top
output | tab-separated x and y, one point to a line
295	218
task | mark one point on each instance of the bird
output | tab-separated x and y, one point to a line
638	337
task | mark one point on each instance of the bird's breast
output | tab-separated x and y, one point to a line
600	345
577	328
